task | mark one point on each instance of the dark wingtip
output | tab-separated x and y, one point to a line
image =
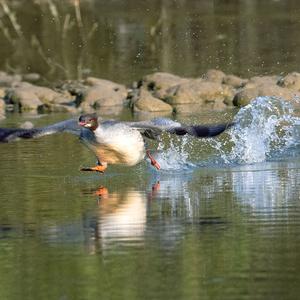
209	131
4	134
10	134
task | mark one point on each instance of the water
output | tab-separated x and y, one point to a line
219	221
212	226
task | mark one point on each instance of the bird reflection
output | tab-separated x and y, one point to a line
161	209
122	216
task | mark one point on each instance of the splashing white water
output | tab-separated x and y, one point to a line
263	129
174	157
266	128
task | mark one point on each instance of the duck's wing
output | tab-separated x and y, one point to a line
153	128
11	134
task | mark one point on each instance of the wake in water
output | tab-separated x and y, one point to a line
266	128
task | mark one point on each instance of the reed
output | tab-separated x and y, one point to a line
54	12
66	25
12	17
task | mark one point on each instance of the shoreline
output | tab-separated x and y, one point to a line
157	93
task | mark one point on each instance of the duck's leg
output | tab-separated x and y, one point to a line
154	163
101	167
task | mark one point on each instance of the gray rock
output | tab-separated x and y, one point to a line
158	83
21	84
245	96
48	96
234	81
214	76
201	92
256	81
290	81
228	93
277	91
73	87
31	97
104	93
147	102
24	98
92	81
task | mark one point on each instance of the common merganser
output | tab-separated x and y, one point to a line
115	142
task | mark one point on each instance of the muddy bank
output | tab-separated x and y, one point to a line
157	93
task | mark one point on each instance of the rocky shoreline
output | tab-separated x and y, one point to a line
162	93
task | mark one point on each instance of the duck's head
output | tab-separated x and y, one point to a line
89	121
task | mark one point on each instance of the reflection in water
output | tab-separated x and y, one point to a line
208	230
174	203
122	216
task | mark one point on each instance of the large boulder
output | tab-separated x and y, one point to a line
147	102
200	92
158	83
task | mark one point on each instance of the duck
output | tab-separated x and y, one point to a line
115	142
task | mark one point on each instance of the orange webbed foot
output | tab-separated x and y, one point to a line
99	169
154	163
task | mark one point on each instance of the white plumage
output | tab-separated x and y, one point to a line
119	144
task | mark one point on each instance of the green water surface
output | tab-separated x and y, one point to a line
210	232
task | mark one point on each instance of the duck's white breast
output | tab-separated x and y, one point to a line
119	144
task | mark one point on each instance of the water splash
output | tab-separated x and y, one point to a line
264	129
174	156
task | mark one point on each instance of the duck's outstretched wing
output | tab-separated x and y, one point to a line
11	134
153	128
